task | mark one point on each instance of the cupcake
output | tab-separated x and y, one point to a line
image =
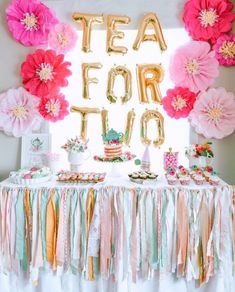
214	180
198	179
184	180
171	179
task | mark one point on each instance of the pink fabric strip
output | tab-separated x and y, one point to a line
134	239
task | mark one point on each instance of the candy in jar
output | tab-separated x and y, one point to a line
170	159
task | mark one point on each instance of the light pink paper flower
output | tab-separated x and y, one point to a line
62	38
54	108
178	102
45	72
194	66
30	21
225	50
213	114
206	20
19	112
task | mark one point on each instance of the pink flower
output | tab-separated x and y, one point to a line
30	21
44	72
18	112
225	50
54	108
213	114
62	38
194	66
206	20
179	102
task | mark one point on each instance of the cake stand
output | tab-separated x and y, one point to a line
115	162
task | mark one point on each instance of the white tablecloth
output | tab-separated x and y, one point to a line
215	198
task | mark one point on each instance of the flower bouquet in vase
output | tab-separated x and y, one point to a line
77	151
200	154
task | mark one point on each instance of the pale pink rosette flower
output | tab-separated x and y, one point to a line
30	21
62	38
225	50
19	112
213	114
206	20
194	66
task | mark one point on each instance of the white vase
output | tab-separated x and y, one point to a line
77	159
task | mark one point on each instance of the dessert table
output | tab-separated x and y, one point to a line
117	236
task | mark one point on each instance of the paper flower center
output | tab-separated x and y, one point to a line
208	17
215	113
227	50
53	107
45	72
192	66
178	103
63	39
19	112
30	21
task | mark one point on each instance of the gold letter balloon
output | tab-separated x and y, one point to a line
113	33
87	21
149	76
84	111
146	117
148	20
126	74
85	78
129	124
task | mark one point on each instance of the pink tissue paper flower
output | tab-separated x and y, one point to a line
62	38
19	112
194	66
213	114
178	102
225	50
30	21
53	108
45	72
206	20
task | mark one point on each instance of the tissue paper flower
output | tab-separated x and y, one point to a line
19	112
45	72
206	20
54	108
62	38
213	114
225	50
194	66
178	102
30	21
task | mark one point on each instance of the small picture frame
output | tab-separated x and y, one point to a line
34	148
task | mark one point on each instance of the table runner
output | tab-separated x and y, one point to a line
118	230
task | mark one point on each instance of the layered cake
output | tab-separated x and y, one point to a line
113	144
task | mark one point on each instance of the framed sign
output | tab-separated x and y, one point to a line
34	148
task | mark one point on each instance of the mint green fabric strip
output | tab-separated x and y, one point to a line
163	260
74	200
83	199
154	259
44	202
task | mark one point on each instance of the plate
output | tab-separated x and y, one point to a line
30	182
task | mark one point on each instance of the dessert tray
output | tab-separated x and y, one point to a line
80	177
143	176
29	177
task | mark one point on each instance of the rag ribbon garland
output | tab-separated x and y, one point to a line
87	231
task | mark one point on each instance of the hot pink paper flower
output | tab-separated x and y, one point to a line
30	21
178	102
194	66
54	108
213	114
19	112
62	38
225	50
44	72
206	20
